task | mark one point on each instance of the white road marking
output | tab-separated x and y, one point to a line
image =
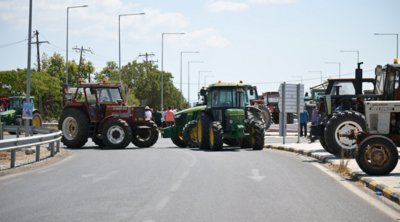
163	202
256	175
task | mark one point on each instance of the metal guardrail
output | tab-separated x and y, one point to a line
49	136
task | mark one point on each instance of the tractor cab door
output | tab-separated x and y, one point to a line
92	105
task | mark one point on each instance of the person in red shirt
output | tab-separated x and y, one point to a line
169	117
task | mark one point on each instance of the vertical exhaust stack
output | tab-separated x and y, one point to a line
359	77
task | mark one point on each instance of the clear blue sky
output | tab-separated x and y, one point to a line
263	42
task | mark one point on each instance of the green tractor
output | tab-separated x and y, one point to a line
13	112
227	116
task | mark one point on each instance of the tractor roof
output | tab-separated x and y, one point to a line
228	84
98	85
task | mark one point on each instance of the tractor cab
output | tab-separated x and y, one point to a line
387	81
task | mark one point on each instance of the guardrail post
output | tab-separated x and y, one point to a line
17	133
52	149
58	146
1	131
37	153
13	154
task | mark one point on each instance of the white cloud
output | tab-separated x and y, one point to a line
221	6
272	2
208	37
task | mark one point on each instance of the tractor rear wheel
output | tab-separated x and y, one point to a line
36	120
337	131
116	134
203	123
190	134
74	125
216	135
377	155
146	135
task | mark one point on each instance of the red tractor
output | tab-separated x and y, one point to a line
99	112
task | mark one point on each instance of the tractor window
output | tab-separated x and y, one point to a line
80	96
345	88
108	94
379	82
91	98
222	98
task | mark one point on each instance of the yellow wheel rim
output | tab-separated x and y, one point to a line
180	135
193	135
253	139
36	121
211	136
199	130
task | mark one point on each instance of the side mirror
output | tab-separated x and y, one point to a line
203	92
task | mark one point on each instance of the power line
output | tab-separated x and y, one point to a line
12	43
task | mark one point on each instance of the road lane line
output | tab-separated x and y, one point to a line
162	203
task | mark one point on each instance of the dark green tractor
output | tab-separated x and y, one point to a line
227	115
13	113
229	118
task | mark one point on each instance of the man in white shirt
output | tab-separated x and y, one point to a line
147	113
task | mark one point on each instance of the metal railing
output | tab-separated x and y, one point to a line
48	136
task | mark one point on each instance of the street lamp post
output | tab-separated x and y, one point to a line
189	62
66	51
182	52
317	71
397	41
119	43
358	54
198	82
205	79
336	63
162	63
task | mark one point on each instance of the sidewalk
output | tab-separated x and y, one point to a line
388	186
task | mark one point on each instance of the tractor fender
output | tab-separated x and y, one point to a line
255	111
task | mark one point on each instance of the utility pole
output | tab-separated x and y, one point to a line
146	55
81	51
37	47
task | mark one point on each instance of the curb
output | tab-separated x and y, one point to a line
384	190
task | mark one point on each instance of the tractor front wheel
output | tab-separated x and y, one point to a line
216	135
377	155
116	133
145	135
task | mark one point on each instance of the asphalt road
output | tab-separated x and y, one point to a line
166	183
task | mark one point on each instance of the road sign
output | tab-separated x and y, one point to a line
291	98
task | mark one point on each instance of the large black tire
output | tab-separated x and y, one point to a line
98	141
145	137
36	120
337	131
190	134
75	128
178	141
266	115
116	133
203	123
377	155
216	136
256	132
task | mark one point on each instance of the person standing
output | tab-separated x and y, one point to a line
169	117
147	113
303	123
157	117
